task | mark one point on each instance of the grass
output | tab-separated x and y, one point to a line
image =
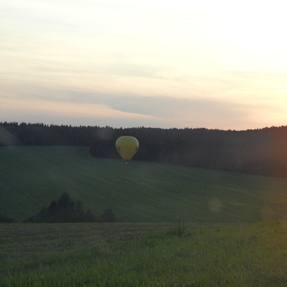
145	255
30	177
235	239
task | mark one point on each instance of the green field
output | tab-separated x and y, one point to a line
233	236
30	177
142	255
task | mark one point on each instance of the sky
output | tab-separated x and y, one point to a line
159	63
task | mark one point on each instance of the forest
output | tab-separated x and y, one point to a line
260	151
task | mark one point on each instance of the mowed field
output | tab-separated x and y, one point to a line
30	177
143	255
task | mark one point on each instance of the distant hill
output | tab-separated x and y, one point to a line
30	177
253	151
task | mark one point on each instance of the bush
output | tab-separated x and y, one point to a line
108	216
63	210
5	219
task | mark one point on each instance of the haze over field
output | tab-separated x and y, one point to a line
217	64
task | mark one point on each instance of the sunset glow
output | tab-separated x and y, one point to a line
217	64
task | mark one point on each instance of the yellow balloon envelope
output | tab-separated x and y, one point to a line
127	147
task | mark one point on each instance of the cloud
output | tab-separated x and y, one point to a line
183	112
77	107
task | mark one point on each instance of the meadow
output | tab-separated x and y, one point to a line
30	177
145	255
233	235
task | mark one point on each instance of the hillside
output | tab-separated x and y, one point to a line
30	177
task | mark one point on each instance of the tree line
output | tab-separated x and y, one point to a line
259	151
65	209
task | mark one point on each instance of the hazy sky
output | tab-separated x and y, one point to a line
215	64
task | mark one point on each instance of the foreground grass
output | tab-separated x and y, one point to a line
123	255
30	177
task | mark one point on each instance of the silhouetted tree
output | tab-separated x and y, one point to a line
63	210
5	219
65	201
108	216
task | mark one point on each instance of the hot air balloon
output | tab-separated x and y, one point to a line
127	147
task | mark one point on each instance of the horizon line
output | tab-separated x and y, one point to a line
139	127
